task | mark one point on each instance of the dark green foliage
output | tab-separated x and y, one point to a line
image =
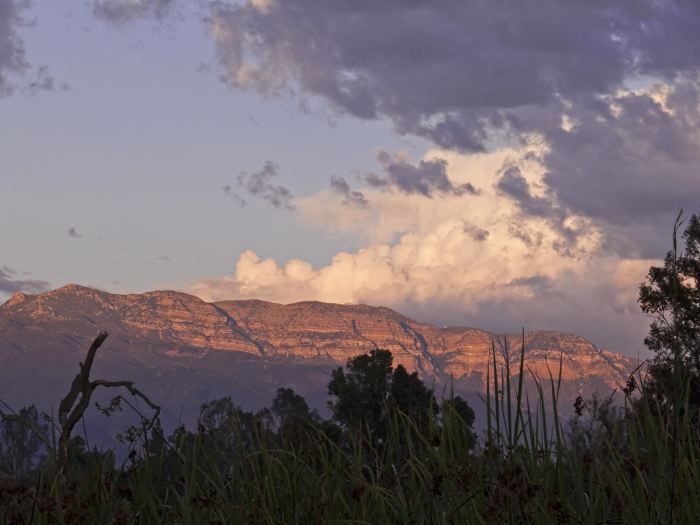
361	392
672	296
412	397
228	427
371	388
291	412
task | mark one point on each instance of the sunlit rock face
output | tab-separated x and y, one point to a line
190	351
312	330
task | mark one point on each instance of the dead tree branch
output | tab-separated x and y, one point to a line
73	406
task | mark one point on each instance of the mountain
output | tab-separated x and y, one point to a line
184	351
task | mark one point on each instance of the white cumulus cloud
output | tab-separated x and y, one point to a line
475	259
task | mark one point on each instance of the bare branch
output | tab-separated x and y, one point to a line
80	381
72	408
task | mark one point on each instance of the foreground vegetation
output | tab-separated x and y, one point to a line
392	452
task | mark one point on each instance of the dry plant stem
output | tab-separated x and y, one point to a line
72	408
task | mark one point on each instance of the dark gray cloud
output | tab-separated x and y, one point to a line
535	282
228	190
426	178
472	75
122	12
13	59
513	183
632	166
9	283
14	65
72	232
350	197
478	234
453	70
43	81
259	184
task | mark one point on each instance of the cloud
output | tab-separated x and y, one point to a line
72	232
463	260
13	59
350	197
631	163
610	90
426	178
259	184
43	81
14	65
228	190
453	71
121	12
10	284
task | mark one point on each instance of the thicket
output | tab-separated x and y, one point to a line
392	452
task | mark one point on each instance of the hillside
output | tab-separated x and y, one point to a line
185	351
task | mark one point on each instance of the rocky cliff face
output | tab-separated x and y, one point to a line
193	349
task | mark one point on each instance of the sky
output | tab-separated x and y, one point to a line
465	162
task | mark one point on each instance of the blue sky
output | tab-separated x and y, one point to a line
134	154
497	165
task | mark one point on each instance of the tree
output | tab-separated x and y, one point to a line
412	397
371	386
361	393
72	407
291	412
21	442
228	427
672	295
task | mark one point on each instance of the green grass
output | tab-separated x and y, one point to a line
637	464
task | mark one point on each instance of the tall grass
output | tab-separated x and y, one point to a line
634	464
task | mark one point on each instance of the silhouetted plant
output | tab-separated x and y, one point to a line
371	388
72	408
672	296
22	442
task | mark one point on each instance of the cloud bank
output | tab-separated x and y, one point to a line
611	90
566	136
453	70
475	259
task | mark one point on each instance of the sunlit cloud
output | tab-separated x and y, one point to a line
467	259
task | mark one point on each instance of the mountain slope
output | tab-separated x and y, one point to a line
185	351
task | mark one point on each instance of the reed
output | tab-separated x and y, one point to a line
637	463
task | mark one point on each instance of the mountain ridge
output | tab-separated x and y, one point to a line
189	351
